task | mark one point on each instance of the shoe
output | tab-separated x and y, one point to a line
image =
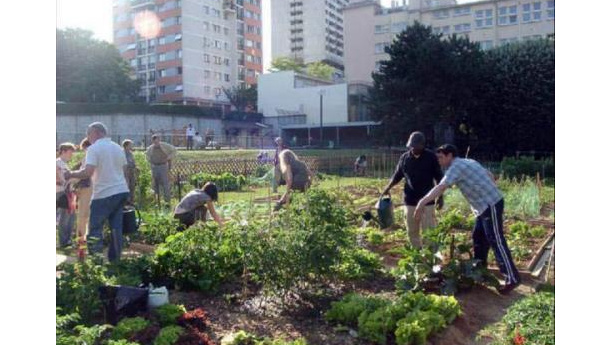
507	288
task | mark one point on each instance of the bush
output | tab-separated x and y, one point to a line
225	182
156	227
527	166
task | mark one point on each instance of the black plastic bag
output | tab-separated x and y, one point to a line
122	301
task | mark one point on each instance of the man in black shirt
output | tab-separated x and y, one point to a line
421	171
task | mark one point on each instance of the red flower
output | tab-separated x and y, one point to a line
518	339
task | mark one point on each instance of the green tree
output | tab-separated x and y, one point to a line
320	70
316	69
284	63
519	98
90	70
426	80
242	97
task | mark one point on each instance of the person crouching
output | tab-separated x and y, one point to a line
195	205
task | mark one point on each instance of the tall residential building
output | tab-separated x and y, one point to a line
187	51
308	30
371	27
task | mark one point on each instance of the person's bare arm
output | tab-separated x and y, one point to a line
210	207
432	195
83	173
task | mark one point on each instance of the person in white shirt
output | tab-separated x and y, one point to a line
190	133
66	217
105	164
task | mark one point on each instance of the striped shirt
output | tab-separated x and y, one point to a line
474	182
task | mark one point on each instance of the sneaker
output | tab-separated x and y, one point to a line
505	289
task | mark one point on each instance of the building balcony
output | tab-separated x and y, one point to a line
141	3
229	6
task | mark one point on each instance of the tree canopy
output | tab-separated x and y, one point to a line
90	70
494	100
317	69
242	97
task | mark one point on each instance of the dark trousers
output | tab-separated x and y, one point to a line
488	232
189	142
107	209
189	218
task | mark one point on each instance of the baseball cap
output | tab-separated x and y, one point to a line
416	139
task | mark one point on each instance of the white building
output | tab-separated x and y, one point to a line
296	105
311	30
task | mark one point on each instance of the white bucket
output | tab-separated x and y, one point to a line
157	296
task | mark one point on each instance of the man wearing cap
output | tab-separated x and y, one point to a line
160	156
420	169
277	174
478	186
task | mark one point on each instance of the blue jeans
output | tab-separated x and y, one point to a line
66	225
488	232
111	209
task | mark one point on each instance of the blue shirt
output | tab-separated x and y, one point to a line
474	182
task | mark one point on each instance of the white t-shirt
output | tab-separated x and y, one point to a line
190	131
109	159
63	167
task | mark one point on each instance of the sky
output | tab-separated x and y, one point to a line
96	15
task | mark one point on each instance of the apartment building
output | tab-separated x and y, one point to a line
309	30
187	51
490	22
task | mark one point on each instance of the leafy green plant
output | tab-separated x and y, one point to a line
156	227
168	335
121	342
244	338
224	182
531	319
169	313
410	319
358	263
527	166
127	327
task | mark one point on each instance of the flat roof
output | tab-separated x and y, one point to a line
336	124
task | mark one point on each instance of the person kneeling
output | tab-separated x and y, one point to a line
195	205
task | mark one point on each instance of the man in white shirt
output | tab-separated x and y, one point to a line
105	164
190	133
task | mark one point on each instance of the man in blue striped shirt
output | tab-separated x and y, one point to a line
478	186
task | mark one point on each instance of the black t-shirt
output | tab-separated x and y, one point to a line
419	173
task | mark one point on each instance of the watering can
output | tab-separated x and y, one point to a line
385	212
131	220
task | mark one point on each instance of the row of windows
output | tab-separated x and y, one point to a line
253	44
170	89
254	29
254	59
253	15
396	28
216	28
207	74
214	43
218	60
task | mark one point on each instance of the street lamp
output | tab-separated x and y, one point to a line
322	92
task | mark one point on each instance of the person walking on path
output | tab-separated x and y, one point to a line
83	199
160	156
66	216
105	164
130	170
195	204
478	186
190	133
420	170
277	174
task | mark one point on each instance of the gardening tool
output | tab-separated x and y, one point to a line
385	211
131	219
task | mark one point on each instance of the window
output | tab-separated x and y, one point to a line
215	13
399	27
162	57
227	62
206	58
486	45
462	27
162	89
206	26
161	40
179	87
461	11
206	9
441	14
380	47
550	9
507	15
484	18
227	77
227	46
218	60
178	37
179	53
131	46
217	76
249	43
162	73
532	12
381	29
217	91
377	66
206	74
217	44
216	28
